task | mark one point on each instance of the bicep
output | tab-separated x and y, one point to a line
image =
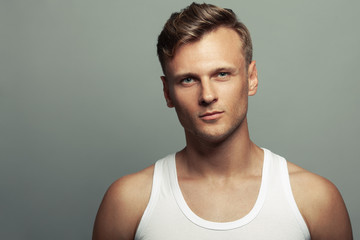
332	218
324	209
115	219
122	206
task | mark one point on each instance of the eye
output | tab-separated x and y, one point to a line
187	80
223	74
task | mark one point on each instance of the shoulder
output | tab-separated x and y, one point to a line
123	205
320	203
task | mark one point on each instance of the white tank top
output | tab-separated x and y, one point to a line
274	216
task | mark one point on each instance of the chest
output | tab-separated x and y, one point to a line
221	202
183	209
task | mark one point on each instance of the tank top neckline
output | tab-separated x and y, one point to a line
220	225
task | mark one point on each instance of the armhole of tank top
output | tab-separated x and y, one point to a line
290	197
152	200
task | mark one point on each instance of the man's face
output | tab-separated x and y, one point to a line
208	84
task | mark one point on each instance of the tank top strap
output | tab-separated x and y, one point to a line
280	185
160	178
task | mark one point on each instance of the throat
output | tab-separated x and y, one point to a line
221	165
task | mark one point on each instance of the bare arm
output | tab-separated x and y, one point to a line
322	206
122	207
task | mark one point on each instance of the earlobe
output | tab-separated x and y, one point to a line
252	78
166	92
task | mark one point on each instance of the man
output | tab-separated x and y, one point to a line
221	185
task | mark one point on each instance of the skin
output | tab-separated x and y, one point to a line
208	84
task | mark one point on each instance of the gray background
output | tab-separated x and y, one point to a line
81	101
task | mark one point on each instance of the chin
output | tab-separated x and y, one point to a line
212	137
217	134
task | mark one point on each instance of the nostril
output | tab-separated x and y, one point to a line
206	102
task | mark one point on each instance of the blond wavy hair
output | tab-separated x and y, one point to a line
193	22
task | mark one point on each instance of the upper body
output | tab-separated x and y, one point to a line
208	80
126	200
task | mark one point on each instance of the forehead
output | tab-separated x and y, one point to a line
219	48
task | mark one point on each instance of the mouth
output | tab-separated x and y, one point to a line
208	116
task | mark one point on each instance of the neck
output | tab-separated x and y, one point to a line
236	155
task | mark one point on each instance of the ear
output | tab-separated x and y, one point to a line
166	92
252	78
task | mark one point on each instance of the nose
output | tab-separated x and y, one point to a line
207	93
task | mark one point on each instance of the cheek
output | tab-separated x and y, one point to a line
185	110
185	107
186	117
237	99
184	98
235	92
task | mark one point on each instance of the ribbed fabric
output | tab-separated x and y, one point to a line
274	216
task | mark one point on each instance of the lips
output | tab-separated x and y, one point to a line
208	116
